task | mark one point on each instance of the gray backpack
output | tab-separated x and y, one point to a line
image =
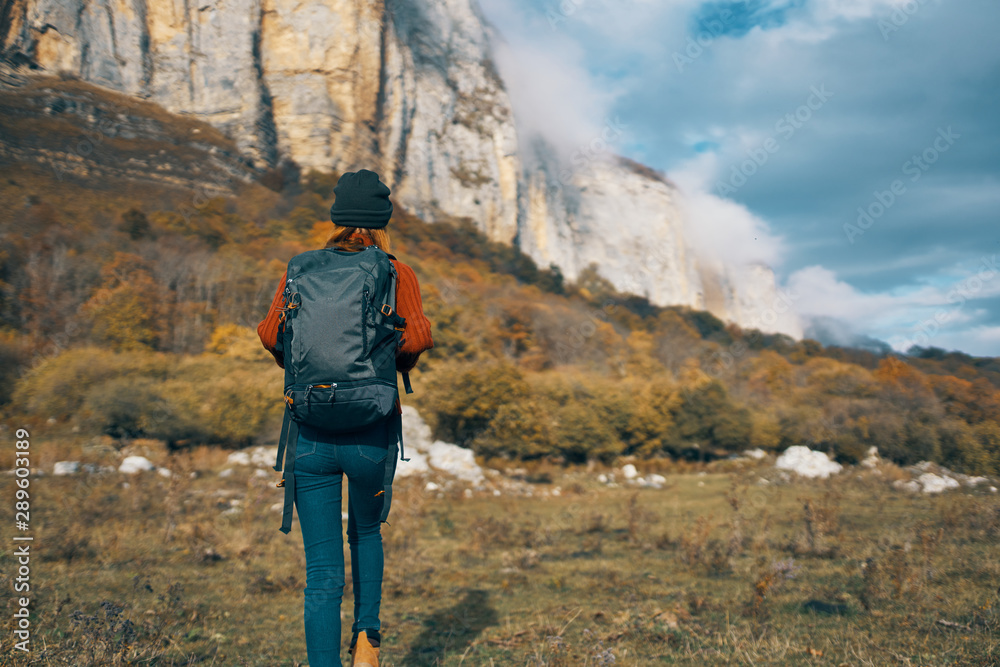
338	335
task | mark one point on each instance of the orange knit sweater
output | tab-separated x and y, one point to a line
416	337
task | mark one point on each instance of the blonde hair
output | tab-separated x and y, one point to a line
342	238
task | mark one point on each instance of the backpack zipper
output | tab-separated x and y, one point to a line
365	307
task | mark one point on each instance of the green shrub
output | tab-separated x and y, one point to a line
587	414
648	425
467	400
124	407
581	433
961	450
988	434
923	443
14	360
848	447
521	429
204	399
58	386
706	416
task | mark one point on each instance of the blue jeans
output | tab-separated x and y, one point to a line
321	459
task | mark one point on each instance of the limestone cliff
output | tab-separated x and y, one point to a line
407	87
625	218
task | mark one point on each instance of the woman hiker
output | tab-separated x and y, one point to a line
360	212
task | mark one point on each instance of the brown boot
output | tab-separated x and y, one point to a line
363	653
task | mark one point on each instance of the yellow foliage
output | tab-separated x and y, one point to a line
770	373
692	377
238	342
765	430
639	358
320	232
840	379
128	311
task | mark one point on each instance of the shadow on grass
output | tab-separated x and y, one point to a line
451	630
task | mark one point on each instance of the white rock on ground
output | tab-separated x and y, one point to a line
932	483
755	454
807	463
66	468
928	483
933	473
425	456
653	481
417	464
872	459
263	456
238	459
416	438
134	464
441	456
455	460
629	471
258	456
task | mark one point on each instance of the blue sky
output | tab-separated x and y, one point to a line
798	113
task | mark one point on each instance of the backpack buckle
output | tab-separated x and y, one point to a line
386	310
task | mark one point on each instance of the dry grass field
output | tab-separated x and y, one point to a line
714	568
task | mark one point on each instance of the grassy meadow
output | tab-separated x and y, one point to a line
559	569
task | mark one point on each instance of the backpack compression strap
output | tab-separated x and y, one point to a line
286	445
397	321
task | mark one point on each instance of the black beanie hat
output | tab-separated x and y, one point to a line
361	200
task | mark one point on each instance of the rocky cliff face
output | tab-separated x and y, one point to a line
626	219
407	87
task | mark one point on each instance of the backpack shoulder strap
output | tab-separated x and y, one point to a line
286	445
399	322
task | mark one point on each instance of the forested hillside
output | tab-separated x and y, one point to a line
129	309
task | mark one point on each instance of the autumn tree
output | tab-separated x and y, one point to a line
706	416
126	311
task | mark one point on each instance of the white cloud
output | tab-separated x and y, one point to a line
981	341
728	100
827	10
819	292
925	315
552	92
720	228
